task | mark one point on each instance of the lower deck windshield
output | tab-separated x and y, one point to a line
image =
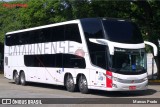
128	61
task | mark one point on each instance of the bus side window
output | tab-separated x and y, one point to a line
23	38
59	60
57	33
78	62
15	39
8	40
72	33
73	61
6	60
29	60
30	37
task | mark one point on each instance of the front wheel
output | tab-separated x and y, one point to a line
70	83
16	78
83	86
22	78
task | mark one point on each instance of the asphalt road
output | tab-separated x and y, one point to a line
34	90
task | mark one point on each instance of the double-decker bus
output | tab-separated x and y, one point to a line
91	53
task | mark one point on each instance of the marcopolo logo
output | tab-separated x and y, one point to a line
21	101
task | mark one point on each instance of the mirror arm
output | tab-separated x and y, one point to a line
155	50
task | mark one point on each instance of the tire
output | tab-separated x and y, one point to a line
82	84
16	78
70	86
22	79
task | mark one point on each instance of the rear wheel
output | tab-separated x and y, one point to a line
83	86
16	78
22	78
70	83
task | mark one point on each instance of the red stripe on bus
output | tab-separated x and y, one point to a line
108	80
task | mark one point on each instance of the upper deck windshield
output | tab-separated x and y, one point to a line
122	31
128	61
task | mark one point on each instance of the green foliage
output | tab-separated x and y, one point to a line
41	12
146	13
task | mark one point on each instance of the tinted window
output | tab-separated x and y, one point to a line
8	40
51	34
92	28
72	33
57	33
122	31
12	39
73	61
22	38
29	37
55	60
98	53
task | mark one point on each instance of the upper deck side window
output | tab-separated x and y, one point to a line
66	32
92	28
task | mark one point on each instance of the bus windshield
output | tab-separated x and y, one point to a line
122	31
125	61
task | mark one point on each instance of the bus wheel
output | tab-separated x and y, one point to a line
16	78
22	78
82	84
70	83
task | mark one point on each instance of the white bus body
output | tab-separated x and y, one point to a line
78	53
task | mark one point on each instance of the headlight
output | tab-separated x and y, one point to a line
108	76
111	77
144	79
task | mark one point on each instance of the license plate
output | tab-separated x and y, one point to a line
132	87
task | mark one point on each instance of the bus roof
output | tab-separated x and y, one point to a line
41	27
61	23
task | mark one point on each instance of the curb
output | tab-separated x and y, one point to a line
154	81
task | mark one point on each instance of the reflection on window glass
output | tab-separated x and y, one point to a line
98	53
55	60
68	32
122	31
129	61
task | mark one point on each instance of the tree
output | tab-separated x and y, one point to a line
40	12
148	17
